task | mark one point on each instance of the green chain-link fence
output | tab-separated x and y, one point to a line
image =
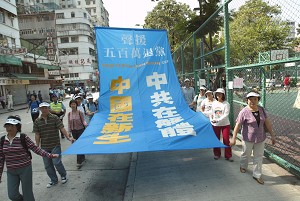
251	44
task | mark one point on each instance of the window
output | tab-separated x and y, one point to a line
13	42
94	2
64	40
87	2
84	15
78	2
73	51
72	14
63	6
74	39
2	18
60	16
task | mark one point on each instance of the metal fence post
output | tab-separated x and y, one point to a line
228	73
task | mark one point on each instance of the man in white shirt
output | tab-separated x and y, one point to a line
10	104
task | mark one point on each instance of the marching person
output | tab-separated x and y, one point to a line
220	122
188	93
14	151
199	98
252	119
58	108
46	129
91	107
206	104
76	125
33	106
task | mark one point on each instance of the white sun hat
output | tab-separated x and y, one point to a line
220	90
77	97
208	91
12	121
89	96
253	94
44	104
187	80
202	87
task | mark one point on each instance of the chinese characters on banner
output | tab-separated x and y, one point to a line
168	120
120	116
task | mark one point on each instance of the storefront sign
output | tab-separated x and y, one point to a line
13	82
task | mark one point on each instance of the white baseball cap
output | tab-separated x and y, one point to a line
253	94
187	80
12	121
202	87
220	90
89	96
44	104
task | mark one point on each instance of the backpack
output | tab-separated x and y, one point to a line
23	142
88	105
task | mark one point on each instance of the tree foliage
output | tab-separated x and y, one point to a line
170	15
256	27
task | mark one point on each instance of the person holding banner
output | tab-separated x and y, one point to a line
199	98
220	122
188	93
206	104
76	125
14	150
253	120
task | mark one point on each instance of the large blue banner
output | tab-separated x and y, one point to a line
141	106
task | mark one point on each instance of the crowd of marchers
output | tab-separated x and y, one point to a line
252	121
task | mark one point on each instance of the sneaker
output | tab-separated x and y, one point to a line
229	159
216	157
64	180
50	184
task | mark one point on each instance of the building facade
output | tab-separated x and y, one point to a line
76	46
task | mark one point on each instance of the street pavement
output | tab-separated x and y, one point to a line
188	175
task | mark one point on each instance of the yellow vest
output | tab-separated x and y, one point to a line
56	107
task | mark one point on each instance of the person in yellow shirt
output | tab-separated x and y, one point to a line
57	108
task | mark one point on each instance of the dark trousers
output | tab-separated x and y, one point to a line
3	104
76	134
34	116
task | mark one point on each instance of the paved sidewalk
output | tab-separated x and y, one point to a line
16	107
194	175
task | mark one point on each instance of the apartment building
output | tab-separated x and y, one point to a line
76	46
95	8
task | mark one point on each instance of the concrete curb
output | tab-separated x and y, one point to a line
129	191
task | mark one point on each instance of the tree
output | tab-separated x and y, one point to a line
256	27
168	14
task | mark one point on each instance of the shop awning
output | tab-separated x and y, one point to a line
24	76
10	60
47	66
